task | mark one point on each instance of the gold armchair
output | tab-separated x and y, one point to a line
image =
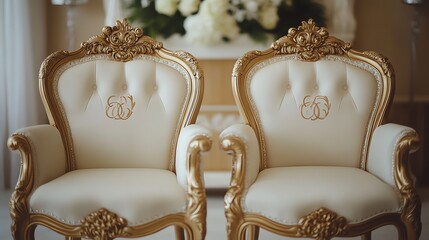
121	155
314	157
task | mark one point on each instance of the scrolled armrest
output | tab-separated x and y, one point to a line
193	140
42	153
388	154
241	141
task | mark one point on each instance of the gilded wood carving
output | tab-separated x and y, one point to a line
310	42
103	225
122	42
321	224
197	205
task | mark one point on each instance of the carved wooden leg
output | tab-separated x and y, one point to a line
179	233
72	238
253	232
30	232
412	232
366	236
20	229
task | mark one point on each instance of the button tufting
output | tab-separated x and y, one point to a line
94	86
288	86
316	87
124	87
345	87
155	87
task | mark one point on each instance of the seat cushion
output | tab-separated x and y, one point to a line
287	194
138	195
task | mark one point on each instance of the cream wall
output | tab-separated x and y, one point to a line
385	26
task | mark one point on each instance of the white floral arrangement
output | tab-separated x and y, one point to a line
208	22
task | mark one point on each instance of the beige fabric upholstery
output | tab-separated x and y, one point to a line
384	144
158	91
47	150
138	194
350	92
285	194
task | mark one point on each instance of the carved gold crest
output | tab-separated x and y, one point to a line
122	42
120	107
321	224
315	108
309	42
103	224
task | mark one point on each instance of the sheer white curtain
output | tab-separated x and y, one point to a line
22	49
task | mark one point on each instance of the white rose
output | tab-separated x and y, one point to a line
268	17
214	7
187	7
145	3
167	7
211	23
201	29
229	27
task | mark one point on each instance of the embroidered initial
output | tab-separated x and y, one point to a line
120	107
315	108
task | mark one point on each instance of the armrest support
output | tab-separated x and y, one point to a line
193	140
43	156
388	154
241	141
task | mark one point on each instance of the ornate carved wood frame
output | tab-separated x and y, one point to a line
311	43
119	43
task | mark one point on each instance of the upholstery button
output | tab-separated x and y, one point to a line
288	86
94	86
345	87
316	87
124	87
155	87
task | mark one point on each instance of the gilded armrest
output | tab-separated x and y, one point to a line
42	153
43	158
390	147
193	140
388	154
240	140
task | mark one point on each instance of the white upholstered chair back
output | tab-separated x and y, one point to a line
312	109
122	109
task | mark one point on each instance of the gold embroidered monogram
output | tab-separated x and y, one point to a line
315	108
120	107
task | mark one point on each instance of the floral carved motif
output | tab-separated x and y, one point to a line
238	66
103	225
122	42
309	42
382	60
315	108
321	224
120	107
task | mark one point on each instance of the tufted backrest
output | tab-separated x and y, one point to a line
119	108
310	106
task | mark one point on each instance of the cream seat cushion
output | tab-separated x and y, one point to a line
138	195
286	194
